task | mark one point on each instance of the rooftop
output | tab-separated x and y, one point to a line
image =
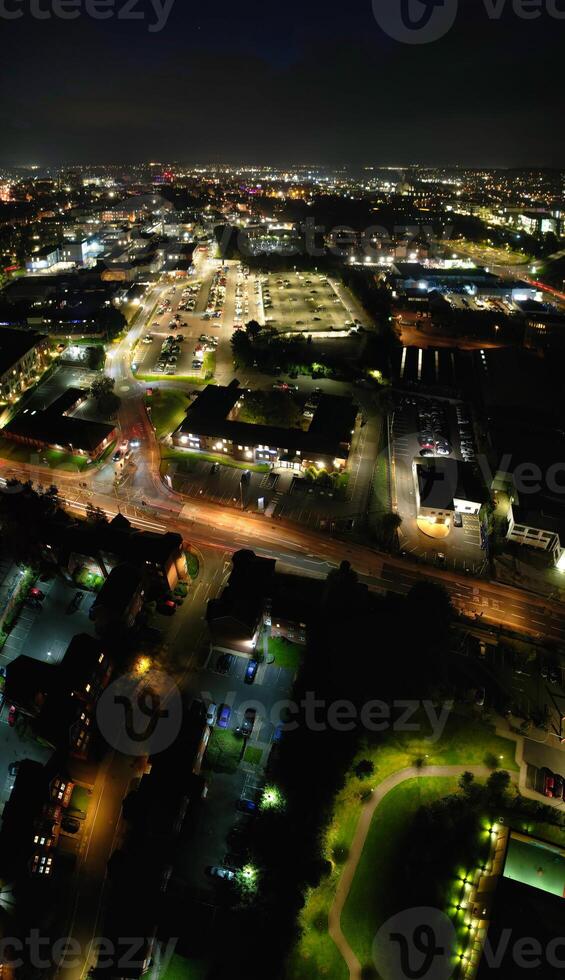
54	429
329	432
118	538
442	481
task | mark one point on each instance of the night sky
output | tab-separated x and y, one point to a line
313	81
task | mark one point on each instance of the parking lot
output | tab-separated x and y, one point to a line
281	494
44	632
63	378
421	428
302	302
481	304
206	841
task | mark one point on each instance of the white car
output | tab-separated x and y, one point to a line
212	714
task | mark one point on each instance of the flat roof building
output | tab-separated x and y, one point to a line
55	428
325	444
446	486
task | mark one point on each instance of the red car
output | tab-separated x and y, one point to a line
167	607
36	593
12	715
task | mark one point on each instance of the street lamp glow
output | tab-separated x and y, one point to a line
271	799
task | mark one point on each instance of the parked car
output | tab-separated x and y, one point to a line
13	768
12	716
76	601
224	874
251	671
480	695
248	723
246	806
36	594
224	716
70	825
212	714
457	520
166	607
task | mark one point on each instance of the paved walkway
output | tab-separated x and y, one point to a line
350	867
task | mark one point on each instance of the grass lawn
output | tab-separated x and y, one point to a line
80	800
192	379
54	459
253	755
224	751
184	456
192	564
367	906
463	742
180	968
168	409
209	363
379	502
89	580
286	654
19	594
14	451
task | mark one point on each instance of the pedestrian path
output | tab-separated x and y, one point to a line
368	813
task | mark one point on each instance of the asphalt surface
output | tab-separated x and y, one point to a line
217	533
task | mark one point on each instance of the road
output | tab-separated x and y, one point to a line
217	532
100	837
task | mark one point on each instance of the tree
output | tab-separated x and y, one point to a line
386	529
253	330
364	769
426	636
466	780
95	514
497	786
24	513
102	389
241	347
95	357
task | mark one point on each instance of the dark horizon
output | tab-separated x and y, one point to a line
317	84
